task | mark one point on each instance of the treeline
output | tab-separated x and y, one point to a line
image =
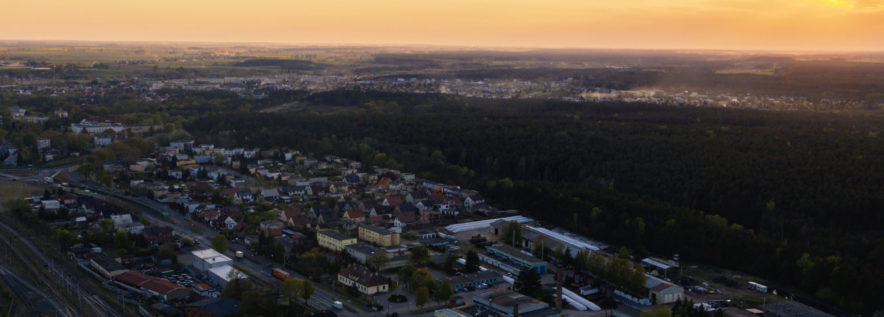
747	190
285	64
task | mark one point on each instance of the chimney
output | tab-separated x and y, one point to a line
559	289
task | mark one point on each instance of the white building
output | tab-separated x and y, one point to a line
205	260
125	223
225	273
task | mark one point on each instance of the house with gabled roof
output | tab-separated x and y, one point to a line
354	215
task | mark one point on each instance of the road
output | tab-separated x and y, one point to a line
259	268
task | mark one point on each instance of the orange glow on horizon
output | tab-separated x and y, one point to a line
655	24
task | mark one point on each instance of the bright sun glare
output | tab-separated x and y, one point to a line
840	3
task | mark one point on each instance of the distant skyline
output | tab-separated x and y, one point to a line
807	25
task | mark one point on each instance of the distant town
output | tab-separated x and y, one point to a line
367	239
201	181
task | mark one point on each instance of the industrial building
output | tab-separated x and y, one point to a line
511	259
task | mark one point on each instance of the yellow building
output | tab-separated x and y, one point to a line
378	235
333	240
185	162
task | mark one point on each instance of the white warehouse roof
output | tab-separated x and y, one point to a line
211	256
571	242
224	272
484	224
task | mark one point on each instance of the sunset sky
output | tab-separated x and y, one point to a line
677	24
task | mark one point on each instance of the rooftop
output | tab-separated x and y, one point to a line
210	256
334	234
515	253
362	275
379	230
484	224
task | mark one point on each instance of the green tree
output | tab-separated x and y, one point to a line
422	296
219	243
106	225
379	159
445	291
419	256
65	238
121	240
422	278
306	290
528	283
377	260
539	247
659	311
623	253
472	262
85	170
291	288
166	252
511	234
449	263
104	178
235	288
405	274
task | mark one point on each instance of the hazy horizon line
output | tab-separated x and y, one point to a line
457	46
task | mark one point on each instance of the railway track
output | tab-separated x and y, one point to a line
34	263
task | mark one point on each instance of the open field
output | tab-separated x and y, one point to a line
734	71
18	190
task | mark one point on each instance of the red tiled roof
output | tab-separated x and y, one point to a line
133	278
355	214
212	214
394	200
161	286
292	212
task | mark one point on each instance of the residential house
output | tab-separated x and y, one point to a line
244	196
271	194
354	215
229	222
392	200
124	222
473	201
294	217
